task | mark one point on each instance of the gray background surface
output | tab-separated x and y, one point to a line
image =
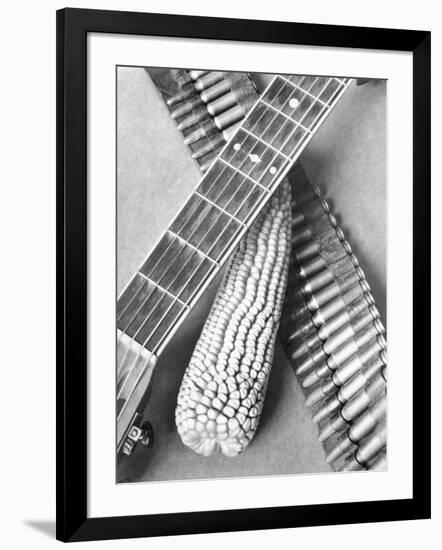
347	160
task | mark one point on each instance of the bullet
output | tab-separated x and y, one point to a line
378	463
360	428
362	400
206	161
305	344
334	272
317	246
220	88
309	360
310	267
342	318
187	106
223	103
351	347
208	80
340	338
230	117
302	331
188	90
298	219
322	297
308	200
369	419
296	304
312	206
340	303
335	425
195	117
323	371
209	144
343	445
323	389
365	355
352	465
353	397
372	444
329	386
302	236
194	75
203	131
328	407
350	330
337	260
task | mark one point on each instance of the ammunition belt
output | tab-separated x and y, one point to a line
333	335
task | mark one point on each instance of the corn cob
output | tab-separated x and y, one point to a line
223	388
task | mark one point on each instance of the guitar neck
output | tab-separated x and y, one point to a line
216	216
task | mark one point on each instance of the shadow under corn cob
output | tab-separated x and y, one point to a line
333	335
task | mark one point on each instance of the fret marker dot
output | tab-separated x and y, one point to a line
237	146
272	170
294	103
254	158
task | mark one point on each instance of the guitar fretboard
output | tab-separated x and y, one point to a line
223	206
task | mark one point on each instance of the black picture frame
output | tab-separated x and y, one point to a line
73	25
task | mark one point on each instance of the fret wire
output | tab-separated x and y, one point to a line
244	174
264	143
242	143
154	267
217	177
304	115
253	181
191	246
134	362
133	338
284	82
267	104
221	190
133	298
320	114
305	91
152	332
163	289
218	207
139	307
182	267
151	271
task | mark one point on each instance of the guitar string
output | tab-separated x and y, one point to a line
315	120
296	126
283	145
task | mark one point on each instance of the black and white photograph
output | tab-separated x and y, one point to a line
251	251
